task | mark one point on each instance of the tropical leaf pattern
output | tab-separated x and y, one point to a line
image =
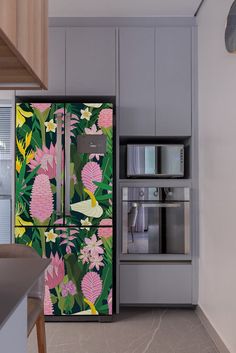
79	278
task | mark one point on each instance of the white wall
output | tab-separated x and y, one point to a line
217	165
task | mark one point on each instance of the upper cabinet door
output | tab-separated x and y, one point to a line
137	81
90	61
56	62
56	65
173	81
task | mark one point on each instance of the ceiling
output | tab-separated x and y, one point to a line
123	8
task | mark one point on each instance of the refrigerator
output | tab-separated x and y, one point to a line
64	198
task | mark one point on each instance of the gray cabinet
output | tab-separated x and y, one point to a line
56	65
136	81
90	61
155	79
173	81
156	284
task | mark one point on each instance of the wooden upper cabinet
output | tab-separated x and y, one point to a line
90	61
56	65
23	44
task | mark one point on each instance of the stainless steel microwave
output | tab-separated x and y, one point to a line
163	161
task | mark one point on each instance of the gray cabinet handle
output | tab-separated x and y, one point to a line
67	164
59	165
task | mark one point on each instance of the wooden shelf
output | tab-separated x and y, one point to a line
23	44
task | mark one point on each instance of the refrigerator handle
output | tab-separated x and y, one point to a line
67	164
59	166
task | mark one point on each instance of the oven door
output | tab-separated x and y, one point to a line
154	223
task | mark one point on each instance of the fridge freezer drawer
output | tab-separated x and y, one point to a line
156	284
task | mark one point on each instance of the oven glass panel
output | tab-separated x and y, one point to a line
155	221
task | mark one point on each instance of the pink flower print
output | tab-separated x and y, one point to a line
41	106
93	131
85	255
48	306
41	204
93	245
73	119
96	261
105	232
68	237
60	111
55	272
91	172
109	302
105	118
91	286
109	192
96	155
68	288
46	158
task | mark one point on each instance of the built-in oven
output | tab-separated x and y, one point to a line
156	220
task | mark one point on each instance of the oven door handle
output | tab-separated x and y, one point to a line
161	205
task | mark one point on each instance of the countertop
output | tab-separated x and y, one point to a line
17	277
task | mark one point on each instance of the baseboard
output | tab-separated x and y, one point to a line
211	331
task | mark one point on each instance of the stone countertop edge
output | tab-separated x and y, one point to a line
17	277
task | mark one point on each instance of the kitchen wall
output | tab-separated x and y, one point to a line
217	153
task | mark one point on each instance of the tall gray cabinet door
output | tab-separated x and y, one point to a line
90	61
173	81
56	65
136	82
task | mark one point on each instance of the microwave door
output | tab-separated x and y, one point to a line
149	160
171	161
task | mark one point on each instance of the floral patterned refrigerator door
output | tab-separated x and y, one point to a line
64	180
39	170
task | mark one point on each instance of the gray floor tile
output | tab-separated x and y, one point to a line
139	330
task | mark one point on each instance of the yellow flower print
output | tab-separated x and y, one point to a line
21	116
85	114
28	139
92	307
21	222
20	225
18	165
30	155
50	236
24	144
19	232
21	147
51	126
